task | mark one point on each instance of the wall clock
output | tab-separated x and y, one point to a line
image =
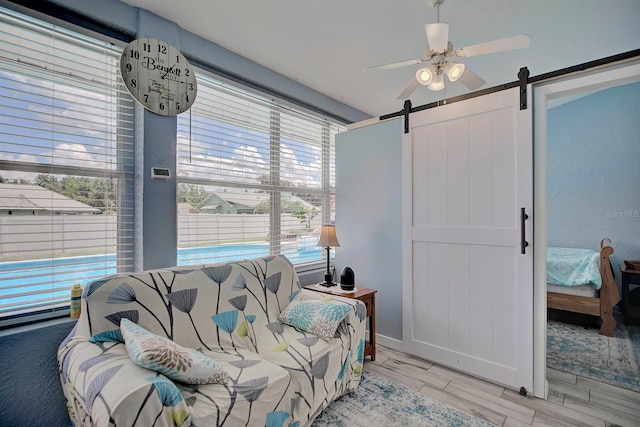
158	76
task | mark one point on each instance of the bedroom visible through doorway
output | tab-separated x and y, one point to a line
589	174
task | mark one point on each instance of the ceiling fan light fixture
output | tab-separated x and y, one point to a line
438	36
453	70
425	75
437	83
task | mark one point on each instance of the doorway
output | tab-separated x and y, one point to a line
598	207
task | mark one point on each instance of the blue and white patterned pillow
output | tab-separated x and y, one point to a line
162	355
320	317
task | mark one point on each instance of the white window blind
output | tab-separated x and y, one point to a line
66	164
255	177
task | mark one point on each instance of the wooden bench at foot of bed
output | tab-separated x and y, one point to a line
601	305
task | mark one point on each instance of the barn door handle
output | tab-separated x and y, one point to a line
523	242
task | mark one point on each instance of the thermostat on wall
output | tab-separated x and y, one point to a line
160	173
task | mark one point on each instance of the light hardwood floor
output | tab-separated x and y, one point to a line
573	400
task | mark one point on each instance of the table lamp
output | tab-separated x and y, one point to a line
328	240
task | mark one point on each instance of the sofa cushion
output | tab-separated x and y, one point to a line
320	317
258	390
160	354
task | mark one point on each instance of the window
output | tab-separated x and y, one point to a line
255	177
66	164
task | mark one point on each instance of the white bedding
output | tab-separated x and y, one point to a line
573	267
583	290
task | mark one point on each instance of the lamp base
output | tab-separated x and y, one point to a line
328	284
328	280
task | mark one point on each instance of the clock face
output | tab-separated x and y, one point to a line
158	76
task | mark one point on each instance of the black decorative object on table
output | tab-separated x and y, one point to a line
347	279
327	240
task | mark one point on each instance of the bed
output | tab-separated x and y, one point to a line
582	281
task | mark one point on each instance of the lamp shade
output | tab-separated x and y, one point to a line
453	70
425	75
328	237
438	36
437	83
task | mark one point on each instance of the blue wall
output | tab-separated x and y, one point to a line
369	216
593	172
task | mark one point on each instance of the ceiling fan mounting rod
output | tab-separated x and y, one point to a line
436	4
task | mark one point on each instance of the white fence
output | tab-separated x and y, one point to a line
39	235
33	235
198	229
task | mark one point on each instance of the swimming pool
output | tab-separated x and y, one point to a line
44	282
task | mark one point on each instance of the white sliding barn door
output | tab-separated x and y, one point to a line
467	289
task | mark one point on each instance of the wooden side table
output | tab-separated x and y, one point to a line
630	312
368	297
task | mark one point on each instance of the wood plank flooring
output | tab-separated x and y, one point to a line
573	400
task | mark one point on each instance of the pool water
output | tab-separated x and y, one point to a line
29	279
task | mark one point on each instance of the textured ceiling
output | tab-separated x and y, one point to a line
324	44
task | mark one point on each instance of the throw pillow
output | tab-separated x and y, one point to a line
320	317
162	355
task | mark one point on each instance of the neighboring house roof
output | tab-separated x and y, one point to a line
253	199
187	208
244	199
29	197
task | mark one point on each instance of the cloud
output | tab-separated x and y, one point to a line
83	121
68	154
11	174
300	173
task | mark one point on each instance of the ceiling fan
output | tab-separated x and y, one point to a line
440	48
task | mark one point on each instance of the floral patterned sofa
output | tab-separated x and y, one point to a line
238	344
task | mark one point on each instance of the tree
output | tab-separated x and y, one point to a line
102	194
286	206
265	180
305	214
99	193
299	190
191	193
49	182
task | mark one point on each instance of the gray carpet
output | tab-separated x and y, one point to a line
584	352
380	402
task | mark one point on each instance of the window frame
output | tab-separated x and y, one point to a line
329	126
117	145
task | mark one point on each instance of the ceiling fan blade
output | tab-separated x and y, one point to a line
471	80
407	91
500	45
437	36
393	65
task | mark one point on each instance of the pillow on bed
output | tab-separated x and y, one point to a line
320	317
162	355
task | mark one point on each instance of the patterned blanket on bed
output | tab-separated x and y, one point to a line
573	267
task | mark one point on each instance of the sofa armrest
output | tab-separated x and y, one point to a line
352	333
104	387
354	325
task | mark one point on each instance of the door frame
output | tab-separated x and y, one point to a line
545	93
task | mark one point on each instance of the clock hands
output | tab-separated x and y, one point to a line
172	72
179	81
